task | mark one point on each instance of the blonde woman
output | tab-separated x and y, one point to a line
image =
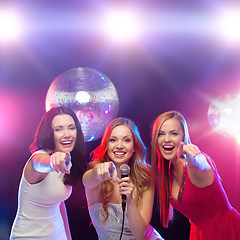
188	181
121	144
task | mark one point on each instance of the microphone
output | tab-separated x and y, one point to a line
124	170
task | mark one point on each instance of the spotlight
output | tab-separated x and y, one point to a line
121	26
10	26
224	115
227	24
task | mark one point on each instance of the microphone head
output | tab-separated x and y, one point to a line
124	170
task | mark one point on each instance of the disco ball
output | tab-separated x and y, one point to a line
224	115
90	94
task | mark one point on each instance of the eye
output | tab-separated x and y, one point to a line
174	133
57	130
112	140
160	134
128	140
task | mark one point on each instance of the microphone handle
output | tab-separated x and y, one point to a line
124	197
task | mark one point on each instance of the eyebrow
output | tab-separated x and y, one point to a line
123	136
174	130
70	125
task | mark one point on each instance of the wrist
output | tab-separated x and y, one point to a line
130	200
51	164
95	174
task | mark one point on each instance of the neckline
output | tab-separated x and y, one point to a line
181	189
112	204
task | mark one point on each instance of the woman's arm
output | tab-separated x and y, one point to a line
200	171
63	211
41	164
139	217
30	171
98	174
139	220
94	177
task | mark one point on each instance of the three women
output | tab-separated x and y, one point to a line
187	181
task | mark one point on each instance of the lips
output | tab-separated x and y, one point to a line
66	143
168	148
119	154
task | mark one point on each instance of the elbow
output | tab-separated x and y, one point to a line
84	180
140	235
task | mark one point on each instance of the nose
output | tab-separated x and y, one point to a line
119	144
66	133
167	138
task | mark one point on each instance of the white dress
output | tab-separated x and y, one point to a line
38	214
111	229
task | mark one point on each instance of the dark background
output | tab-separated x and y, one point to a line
177	62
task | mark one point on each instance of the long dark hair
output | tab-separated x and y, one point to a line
44	139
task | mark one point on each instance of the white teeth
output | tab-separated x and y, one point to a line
119	153
168	148
65	143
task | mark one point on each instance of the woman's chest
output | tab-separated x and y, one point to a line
177	184
115	196
50	191
175	187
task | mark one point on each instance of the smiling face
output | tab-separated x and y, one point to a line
169	137
121	145
65	133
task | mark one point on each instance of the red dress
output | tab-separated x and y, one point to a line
208	209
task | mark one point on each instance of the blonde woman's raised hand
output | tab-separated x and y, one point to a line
196	161
189	149
106	171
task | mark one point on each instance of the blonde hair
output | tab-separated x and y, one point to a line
140	172
161	166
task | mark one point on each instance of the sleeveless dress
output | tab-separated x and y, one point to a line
38	214
208	209
111	229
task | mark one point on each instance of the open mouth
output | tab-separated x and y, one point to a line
66	143
168	148
119	154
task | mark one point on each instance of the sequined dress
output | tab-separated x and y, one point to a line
111	229
208	209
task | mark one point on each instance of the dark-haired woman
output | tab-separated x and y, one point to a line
56	164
